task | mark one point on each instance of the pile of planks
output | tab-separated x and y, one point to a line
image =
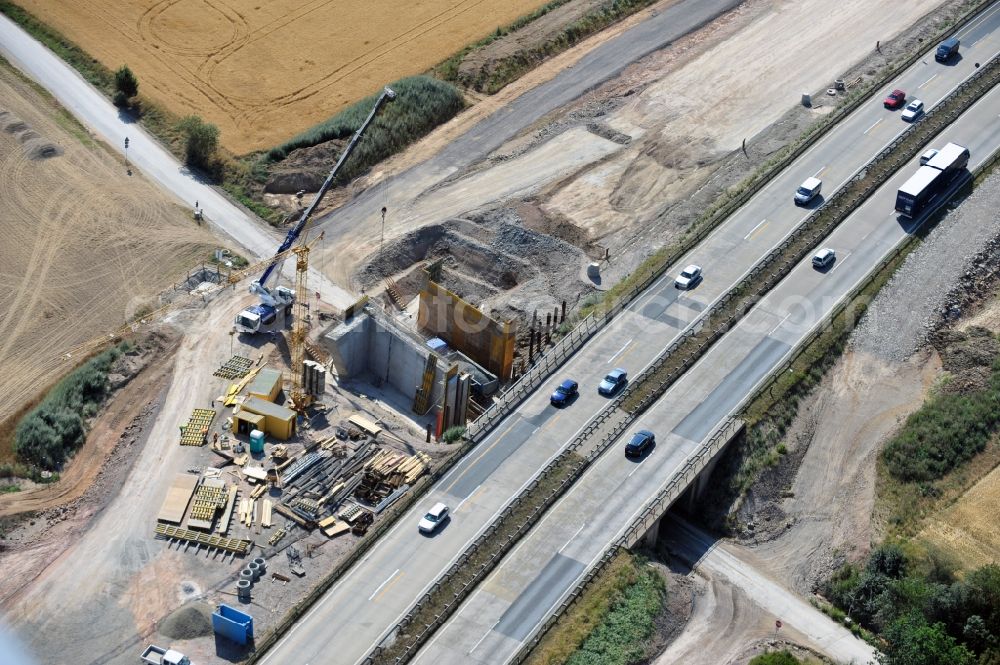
388	471
234	368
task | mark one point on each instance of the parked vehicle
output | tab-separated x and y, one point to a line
566	391
895	99
931	179
154	655
640	442
913	110
615	379
688	278
947	49
434	518
927	156
824	258
807	191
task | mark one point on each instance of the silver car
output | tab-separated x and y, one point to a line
688	277
913	110
434	518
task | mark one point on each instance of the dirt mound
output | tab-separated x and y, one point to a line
188	622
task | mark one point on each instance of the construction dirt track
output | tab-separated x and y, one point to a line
264	71
85	245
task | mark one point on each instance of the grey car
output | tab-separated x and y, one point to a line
615	379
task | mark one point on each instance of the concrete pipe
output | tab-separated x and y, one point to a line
247	574
255	569
243	589
262	563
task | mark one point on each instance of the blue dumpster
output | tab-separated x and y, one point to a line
232	624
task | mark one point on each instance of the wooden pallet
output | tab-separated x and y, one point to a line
197	427
236	545
234	368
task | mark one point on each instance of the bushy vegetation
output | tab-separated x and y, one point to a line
201	140
453	434
422	103
126	86
775	658
52	431
947	430
620	639
924	614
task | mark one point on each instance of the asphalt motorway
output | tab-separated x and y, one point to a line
505	610
360	609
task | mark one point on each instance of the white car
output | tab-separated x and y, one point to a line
824	258
928	156
434	518
688	277
913	110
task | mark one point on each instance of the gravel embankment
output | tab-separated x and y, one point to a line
936	279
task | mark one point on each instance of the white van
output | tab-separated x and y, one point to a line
807	191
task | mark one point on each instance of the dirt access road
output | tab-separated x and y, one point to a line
666	105
104	590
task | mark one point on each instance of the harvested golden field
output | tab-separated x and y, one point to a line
84	245
264	70
967	530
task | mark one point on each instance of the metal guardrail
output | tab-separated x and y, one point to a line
568	345
659	505
552	360
767	272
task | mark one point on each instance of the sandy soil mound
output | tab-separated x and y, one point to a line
187	622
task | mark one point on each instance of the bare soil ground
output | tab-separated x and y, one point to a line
634	162
84	244
242	65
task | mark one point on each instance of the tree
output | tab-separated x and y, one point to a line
912	641
201	140
126	85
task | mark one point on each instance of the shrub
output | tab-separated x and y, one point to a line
947	430
422	103
200	142
620	638
453	434
126	84
775	658
54	429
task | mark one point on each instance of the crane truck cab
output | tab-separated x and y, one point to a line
154	655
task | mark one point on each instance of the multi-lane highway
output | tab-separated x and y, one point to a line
358	611
506	609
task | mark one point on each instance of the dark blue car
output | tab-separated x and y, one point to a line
640	443
564	393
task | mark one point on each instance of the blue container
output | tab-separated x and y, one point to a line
232	624
256	442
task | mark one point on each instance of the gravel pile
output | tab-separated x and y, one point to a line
936	280
188	622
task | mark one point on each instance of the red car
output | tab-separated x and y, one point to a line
895	100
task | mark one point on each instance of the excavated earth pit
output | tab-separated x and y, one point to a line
490	259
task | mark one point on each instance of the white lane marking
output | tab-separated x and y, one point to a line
637	467
873	126
780	323
469	652
620	351
816	175
571	539
927	81
383	584
759	224
839	263
462	502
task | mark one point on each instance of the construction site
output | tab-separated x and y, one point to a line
277	404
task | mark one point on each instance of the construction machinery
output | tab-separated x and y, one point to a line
276	301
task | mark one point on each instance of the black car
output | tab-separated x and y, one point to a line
641	442
566	391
